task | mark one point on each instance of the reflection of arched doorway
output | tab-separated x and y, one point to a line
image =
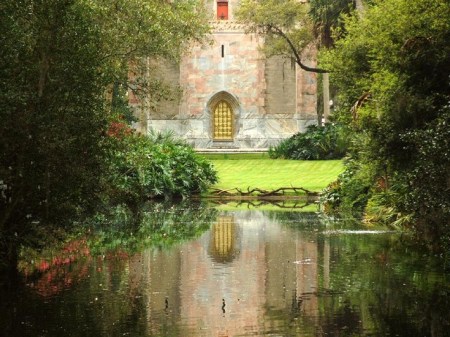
223	244
223	121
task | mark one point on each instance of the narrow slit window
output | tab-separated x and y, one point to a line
222	10
223	51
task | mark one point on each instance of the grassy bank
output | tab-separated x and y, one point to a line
258	170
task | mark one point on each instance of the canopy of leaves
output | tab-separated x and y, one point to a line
326	16
392	69
51	108
397	53
285	24
136	29
57	60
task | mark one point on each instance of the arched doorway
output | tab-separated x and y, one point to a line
223	122
224	113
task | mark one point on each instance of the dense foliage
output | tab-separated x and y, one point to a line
392	70
156	166
318	142
60	63
285	25
116	234
326	16
51	108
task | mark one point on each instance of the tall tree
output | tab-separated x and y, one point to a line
51	106
326	16
135	30
57	60
392	69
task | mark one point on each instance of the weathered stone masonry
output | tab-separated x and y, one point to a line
233	97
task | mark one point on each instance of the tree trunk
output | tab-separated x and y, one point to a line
8	262
326	98
359	5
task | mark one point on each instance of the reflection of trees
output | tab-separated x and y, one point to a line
156	224
299	280
415	313
107	299
417	299
381	286
368	285
59	267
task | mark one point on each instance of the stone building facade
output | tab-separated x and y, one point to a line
232	96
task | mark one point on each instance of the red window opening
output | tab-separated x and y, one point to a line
222	10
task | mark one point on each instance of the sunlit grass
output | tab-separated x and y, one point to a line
258	170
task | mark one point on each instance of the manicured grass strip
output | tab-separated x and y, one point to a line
270	174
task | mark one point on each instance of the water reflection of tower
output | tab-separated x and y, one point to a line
223	285
224	242
292	278
239	276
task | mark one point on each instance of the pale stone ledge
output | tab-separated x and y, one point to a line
225	150
227	26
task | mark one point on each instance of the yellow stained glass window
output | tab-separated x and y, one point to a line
223	121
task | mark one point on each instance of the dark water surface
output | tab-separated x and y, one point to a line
243	273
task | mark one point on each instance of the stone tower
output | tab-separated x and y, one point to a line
232	96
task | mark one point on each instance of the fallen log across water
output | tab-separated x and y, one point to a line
258	193
297	203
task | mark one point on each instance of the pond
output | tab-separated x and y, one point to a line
231	272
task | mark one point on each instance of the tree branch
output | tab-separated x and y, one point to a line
277	31
258	192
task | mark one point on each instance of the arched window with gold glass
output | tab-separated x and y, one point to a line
223	122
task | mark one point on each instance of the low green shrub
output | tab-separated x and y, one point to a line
318	142
351	191
156	166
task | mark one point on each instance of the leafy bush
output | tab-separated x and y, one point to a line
350	192
318	142
392	79
157	165
426	180
414	195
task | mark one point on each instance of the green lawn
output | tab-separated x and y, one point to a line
258	170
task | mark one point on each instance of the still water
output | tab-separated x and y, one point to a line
231	273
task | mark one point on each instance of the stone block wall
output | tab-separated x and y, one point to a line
271	99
